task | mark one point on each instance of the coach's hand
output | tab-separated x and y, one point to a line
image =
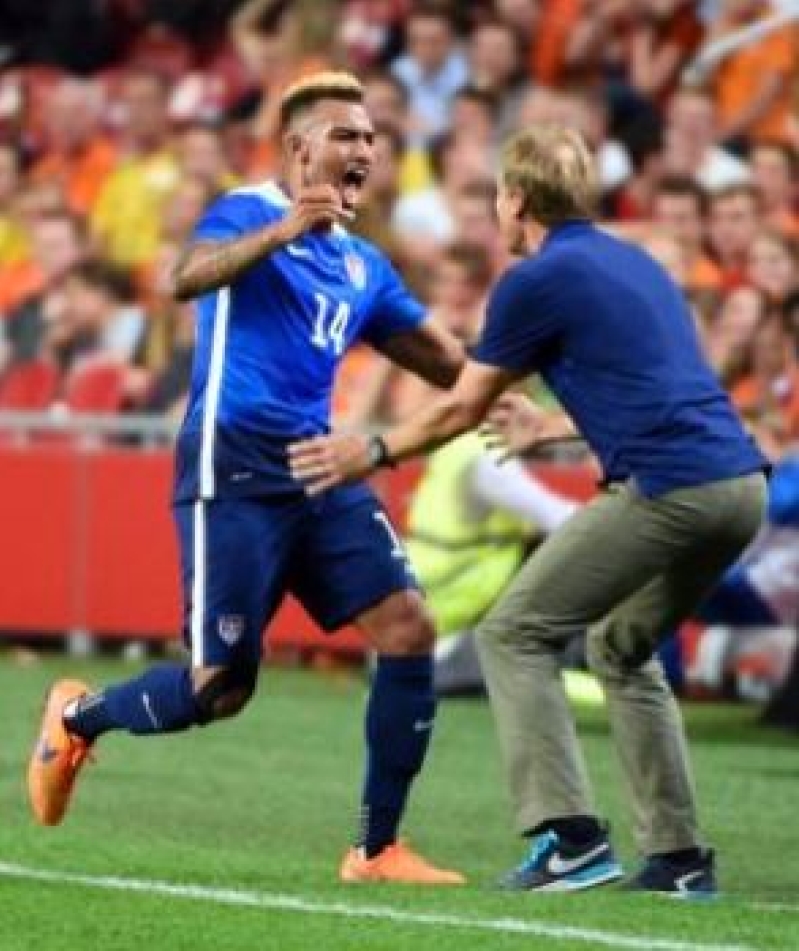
516	425
316	206
324	462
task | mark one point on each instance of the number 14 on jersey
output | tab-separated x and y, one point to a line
330	324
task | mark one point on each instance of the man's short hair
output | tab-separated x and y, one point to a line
377	76
554	171
309	90
683	186
784	149
479	189
389	132
735	190
114	282
483	97
432	10
473	258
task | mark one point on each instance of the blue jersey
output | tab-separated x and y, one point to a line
612	336
268	346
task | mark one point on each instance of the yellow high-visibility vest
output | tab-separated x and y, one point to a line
464	556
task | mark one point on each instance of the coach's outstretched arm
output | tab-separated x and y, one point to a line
207	265
326	461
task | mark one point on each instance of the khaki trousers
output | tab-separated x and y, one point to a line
626	569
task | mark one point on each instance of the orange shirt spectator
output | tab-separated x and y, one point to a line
355	370
774	403
767	67
548	52
702	274
18	282
58	242
81	176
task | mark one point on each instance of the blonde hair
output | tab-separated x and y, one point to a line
311	89
554	171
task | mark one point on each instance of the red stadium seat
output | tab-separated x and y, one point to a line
95	385
29	386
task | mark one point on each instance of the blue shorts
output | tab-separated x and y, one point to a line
338	555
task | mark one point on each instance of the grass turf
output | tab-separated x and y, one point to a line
266	803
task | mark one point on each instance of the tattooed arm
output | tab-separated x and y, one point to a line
206	265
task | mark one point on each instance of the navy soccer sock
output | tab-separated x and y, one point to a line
161	700
399	722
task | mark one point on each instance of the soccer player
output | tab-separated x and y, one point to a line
283	290
683	494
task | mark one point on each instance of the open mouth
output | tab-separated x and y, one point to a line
352	183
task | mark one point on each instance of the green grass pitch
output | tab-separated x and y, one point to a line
254	814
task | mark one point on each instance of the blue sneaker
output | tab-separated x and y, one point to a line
694	879
552	865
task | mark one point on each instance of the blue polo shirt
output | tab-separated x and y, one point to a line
612	336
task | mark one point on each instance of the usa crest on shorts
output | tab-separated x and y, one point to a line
231	628
356	269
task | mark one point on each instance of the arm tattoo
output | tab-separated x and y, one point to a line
207	265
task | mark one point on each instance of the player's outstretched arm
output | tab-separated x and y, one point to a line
323	462
207	265
430	351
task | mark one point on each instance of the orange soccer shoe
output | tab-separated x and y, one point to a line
57	756
396	863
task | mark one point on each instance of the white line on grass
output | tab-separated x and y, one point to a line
293	903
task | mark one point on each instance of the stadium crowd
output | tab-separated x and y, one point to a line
119	121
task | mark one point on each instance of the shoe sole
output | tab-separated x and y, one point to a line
607	876
566	885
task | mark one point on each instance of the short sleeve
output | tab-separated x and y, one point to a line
234	215
394	309
521	323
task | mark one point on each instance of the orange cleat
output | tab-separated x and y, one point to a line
57	757
396	863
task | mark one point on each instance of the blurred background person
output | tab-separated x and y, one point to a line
734	220
691	141
767	394
774	172
773	265
126	217
432	68
76	152
754	86
679	205
728	333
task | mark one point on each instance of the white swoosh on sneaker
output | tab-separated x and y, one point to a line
560	866
150	712
683	881
297	251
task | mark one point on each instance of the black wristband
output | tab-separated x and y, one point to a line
379	455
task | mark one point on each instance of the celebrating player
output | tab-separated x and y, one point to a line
683	495
283	290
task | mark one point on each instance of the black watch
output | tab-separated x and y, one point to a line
378	453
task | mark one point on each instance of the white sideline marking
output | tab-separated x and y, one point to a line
293	903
